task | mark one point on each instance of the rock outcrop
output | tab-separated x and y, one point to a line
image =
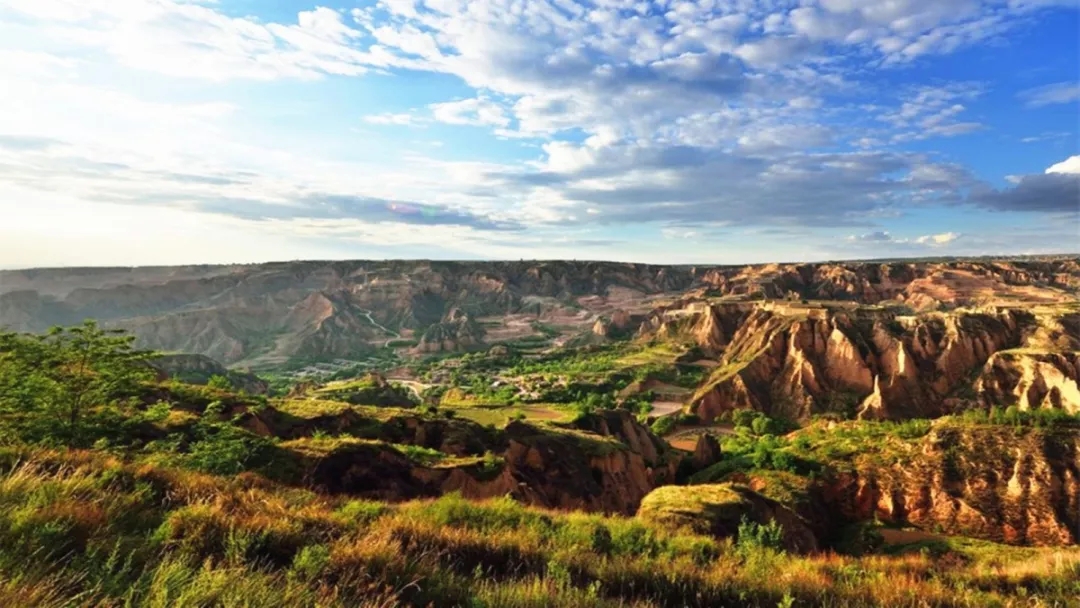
706	452
370	389
719	509
794	361
459	331
199	369
609	471
1031	380
984	482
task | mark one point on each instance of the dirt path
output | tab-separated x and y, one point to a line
542	413
686	438
367	313
664	408
416	387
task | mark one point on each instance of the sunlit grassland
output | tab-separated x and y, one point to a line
80	528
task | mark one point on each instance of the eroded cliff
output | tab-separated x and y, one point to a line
795	360
989	482
277	311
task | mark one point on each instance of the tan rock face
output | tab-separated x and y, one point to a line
796	361
556	473
334	309
706	452
983	482
1032	380
541	467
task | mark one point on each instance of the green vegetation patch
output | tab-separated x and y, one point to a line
697	508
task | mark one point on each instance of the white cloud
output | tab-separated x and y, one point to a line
1059	92
1070	166
680	234
880	236
1046	136
767	112
938	239
478	112
403	119
883	237
191	40
932	111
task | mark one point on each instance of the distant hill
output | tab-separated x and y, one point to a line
269	314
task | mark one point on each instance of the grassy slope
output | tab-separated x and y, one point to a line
86	528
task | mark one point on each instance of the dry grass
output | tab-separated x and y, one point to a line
141	535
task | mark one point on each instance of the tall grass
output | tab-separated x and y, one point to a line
87	529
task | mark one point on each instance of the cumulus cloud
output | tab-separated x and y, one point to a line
882	237
938	239
1051	192
477	112
676	113
1070	165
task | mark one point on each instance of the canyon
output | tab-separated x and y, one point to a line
489	380
265	315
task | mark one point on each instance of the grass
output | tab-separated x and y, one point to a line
312	408
592	445
663	353
692	507
500	416
230	500
81	528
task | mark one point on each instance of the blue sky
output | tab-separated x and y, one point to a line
708	131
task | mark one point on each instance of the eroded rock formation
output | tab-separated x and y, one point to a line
1031	380
984	482
793	361
609	468
272	312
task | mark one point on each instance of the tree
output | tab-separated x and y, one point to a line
51	383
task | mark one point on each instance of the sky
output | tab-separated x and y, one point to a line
144	132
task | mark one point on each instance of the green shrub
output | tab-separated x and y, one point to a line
228	450
219	382
310	562
754	536
420	454
363	512
664	425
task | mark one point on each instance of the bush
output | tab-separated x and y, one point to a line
420	454
664	425
219	382
71	385
227	450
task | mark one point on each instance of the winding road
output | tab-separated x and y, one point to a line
367	313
